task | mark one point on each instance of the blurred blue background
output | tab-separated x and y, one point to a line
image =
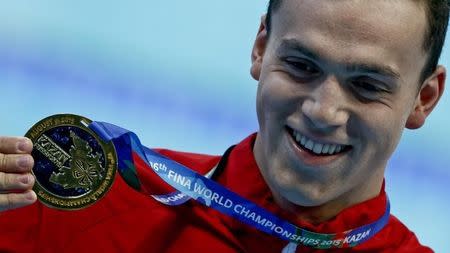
177	73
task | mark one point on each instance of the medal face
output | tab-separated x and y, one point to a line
73	167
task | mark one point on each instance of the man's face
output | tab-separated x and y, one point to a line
337	83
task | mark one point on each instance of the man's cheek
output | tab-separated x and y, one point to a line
280	101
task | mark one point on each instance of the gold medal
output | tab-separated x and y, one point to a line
73	167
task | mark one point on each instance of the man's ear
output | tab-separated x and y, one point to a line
258	50
428	97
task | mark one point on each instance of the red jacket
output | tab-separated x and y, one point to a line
127	221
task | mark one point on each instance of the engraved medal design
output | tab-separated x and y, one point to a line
73	167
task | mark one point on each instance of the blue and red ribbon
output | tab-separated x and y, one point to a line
138	165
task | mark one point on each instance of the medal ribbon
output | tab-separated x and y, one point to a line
137	163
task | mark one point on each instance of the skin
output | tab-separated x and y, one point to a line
16	180
342	72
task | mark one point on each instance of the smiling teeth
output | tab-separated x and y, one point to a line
316	147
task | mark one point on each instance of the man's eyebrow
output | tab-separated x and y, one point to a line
295	45
383	70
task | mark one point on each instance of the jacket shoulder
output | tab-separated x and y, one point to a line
200	163
403	239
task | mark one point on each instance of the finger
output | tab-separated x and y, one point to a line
10	181
15	145
16	163
16	200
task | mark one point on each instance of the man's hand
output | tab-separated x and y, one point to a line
16	180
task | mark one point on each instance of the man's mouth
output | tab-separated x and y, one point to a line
315	147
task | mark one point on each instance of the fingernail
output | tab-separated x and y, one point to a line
30	195
23	145
23	162
25	179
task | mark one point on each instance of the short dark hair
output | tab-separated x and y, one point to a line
437	12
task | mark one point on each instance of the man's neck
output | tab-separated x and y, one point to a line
330	209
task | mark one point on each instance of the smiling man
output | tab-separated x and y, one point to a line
339	80
338	83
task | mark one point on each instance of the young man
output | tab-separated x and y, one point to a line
338	83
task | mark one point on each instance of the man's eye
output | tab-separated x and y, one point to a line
366	86
303	67
368	89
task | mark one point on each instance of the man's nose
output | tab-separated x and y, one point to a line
325	106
